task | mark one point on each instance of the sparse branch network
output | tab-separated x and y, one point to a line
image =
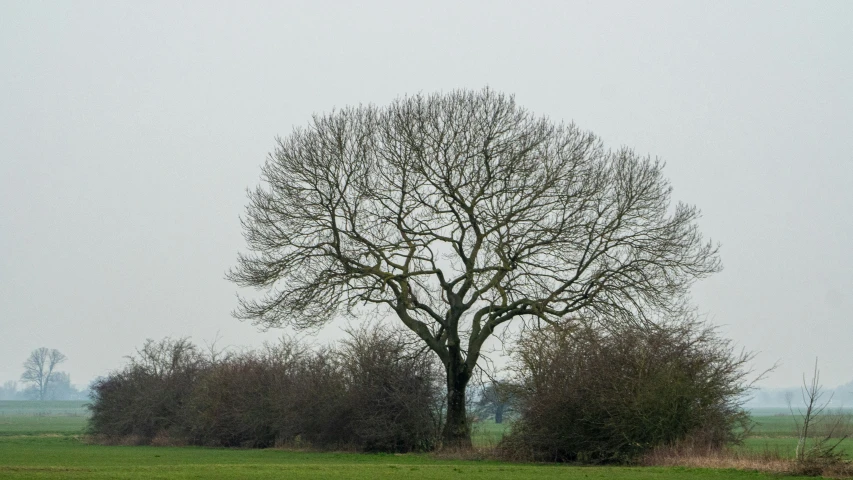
461	212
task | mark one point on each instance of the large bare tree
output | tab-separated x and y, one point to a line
39	369
460	212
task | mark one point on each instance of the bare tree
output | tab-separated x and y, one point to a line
814	448
39	369
9	390
495	399
460	212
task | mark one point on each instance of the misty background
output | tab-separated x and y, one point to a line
129	132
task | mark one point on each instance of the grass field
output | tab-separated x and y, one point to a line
44	441
776	431
41	418
68	457
488	433
43	409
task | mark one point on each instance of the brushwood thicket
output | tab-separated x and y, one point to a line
372	392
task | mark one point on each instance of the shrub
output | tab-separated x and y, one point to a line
593	396
147	397
374	392
394	390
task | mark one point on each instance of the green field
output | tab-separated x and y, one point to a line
42	418
776	431
68	457
37	409
45	441
488	433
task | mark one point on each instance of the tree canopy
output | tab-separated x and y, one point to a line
460	212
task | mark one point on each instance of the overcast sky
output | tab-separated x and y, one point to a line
129	132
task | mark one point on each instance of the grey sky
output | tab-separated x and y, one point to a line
129	132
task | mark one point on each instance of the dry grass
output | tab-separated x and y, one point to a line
162	439
767	461
115	440
681	456
474	453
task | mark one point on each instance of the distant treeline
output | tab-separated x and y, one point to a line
60	388
840	397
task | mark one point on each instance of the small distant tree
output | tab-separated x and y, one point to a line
9	390
819	431
495	399
39	370
60	387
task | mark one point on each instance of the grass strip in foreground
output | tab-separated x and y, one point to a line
68	457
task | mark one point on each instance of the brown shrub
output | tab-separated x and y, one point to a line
591	396
374	392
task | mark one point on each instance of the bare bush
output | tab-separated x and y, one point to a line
147	397
592	396
394	389
819	431
230	405
374	392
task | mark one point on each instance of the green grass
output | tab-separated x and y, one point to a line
44	441
786	446
773	426
35	409
779	425
40	418
20	425
68	457
487	433
776	431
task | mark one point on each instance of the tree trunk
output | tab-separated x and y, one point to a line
499	413
457	431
